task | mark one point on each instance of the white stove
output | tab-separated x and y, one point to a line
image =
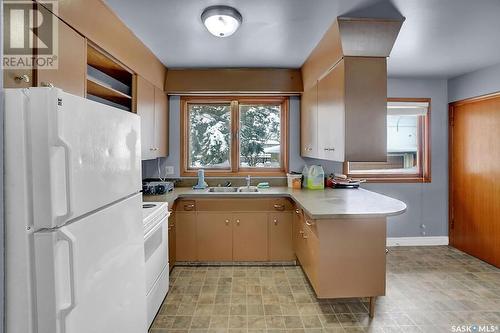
155	218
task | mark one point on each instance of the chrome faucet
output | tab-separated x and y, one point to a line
248	179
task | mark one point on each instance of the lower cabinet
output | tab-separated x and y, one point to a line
171	239
280	236
185	233
250	237
214	236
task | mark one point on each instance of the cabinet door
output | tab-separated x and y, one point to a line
146	110
185	232
297	231
309	123
161	123
171	239
331	115
280	236
250	237
72	67
214	236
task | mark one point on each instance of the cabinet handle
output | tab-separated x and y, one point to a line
275	222
304	236
23	77
238	222
152	149
189	207
227	222
329	149
279	207
301	232
309	223
297	211
47	84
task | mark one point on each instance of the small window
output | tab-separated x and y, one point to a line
407	145
234	135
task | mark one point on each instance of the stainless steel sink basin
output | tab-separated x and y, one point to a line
222	189
248	189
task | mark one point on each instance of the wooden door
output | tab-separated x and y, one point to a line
280	236
250	237
161	123
475	178
297	230
309	123
214	239
171	239
70	74
331	115
185	233
146	110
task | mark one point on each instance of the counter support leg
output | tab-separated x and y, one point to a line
372	307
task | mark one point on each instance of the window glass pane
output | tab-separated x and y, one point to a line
209	136
260	136
402	148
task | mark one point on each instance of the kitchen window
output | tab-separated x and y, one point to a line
234	135
408	145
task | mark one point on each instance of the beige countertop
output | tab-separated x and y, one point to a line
318	204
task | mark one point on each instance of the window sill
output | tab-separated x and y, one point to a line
256	174
391	179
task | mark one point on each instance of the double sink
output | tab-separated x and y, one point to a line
233	189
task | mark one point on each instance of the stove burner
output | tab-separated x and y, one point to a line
148	205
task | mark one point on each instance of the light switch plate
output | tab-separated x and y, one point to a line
169	170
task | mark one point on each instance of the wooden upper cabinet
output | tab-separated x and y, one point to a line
280	236
145	94
250	236
331	117
71	70
72	67
349	117
185	234
214	239
161	123
309	122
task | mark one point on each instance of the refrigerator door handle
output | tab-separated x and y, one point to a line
69	179
70	239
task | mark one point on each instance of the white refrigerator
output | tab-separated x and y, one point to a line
74	246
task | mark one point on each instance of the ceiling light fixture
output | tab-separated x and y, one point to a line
221	21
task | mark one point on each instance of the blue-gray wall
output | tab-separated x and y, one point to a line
480	82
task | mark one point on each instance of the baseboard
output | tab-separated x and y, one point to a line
417	241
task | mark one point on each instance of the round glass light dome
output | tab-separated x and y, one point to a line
221	21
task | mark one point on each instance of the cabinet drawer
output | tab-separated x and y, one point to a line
186	205
280	204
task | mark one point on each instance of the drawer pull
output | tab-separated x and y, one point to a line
275	222
227	222
304	236
238	222
279	207
301	232
22	78
309	223
297	211
189	207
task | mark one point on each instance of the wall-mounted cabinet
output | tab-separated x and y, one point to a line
152	107
70	72
348	119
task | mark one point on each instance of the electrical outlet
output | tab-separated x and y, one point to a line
169	170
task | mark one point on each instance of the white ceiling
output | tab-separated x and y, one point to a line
440	38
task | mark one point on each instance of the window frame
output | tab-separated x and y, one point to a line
234	102
424	154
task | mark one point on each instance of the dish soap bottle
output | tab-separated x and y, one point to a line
316	178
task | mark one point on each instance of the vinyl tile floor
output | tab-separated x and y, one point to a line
429	289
